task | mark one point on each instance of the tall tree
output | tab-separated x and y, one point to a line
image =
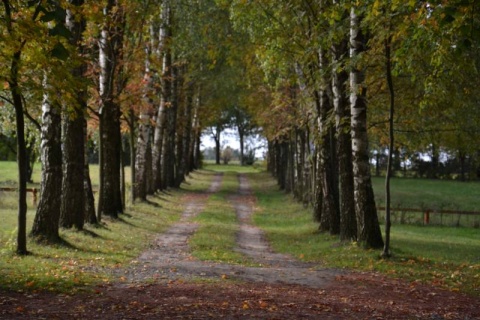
369	232
339	48
73	136
46	222
144	137
165	52
110	45
15	38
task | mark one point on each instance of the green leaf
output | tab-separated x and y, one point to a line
60	52
60	30
48	16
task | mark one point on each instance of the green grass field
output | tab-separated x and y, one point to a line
445	256
423	194
440	255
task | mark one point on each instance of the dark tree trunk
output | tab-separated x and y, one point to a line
391	147
150	179
122	171
197	158
72	211
299	164
282	164
242	145
100	171
31	158
329	220
317	187
110	202
271	158
22	178
217	145
179	130
290	159
194	152
73	197
187	134
184	147
90	216
46	222
397	161
348	222
133	151
377	163
171	116
462	158
20	126
140	185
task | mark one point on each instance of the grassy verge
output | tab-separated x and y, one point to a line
444	256
86	257
215	237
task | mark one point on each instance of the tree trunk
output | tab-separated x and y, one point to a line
348	222
46	222
31	158
171	127
242	145
20	126
184	153
165	97
140	186
21	154
300	190
122	171
110	202
194	151
150	183
317	187
391	148
369	233
217	145
330	215
73	197
90	216
290	172
461	158
132	153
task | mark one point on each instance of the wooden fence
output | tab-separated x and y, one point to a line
34	192
427	213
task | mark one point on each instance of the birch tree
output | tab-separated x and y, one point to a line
369	232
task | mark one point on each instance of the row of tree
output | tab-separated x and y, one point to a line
161	71
79	69
412	64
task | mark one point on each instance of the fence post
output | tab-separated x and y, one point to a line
426	217
34	192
